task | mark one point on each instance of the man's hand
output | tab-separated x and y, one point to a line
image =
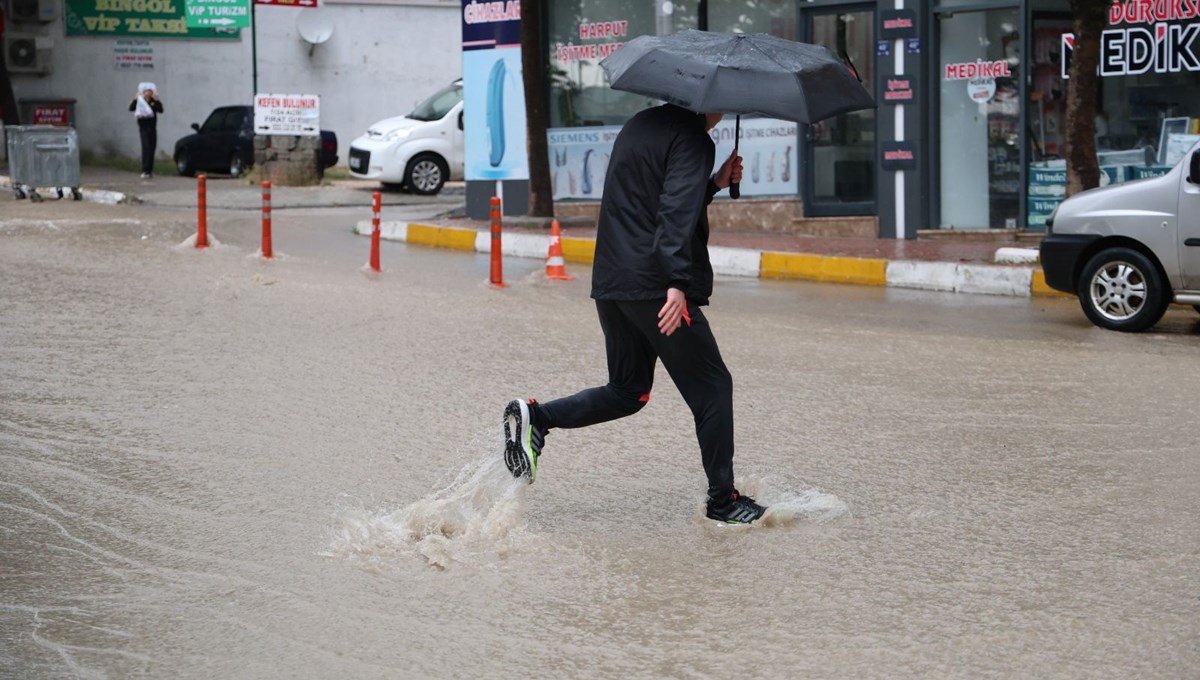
731	171
671	315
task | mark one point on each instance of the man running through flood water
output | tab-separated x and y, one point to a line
650	277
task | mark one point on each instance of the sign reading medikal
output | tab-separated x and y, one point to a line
135	18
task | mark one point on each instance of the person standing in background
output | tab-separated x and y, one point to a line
146	107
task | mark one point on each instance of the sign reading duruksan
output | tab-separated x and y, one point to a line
1145	37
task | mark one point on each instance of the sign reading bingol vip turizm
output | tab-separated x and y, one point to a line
1146	37
287	114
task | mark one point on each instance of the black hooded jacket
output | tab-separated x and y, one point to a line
652	233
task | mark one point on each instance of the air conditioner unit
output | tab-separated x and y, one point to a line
33	11
27	53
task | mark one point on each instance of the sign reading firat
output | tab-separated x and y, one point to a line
287	114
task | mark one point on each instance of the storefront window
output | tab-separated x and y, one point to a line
1147	101
777	17
582	33
980	119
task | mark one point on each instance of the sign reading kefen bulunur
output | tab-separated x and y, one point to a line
287	114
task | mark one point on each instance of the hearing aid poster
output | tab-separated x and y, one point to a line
494	115
579	157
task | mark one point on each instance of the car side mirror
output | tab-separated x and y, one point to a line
196	127
1194	175
460	122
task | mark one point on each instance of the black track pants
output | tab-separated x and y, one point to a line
690	355
149	135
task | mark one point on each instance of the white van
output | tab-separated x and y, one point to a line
1130	249
418	152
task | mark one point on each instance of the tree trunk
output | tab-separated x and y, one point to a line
541	198
1083	170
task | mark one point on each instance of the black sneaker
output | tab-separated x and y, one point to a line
522	439
738	510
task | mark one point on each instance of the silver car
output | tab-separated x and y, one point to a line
1131	249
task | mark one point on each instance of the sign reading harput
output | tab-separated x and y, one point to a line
287	114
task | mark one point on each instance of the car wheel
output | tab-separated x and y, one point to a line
1196	307
1122	290
236	165
183	163
425	174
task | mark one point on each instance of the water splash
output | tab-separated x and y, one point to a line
785	507
479	517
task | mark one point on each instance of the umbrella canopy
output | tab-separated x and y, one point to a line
738	73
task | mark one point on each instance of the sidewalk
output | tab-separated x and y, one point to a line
956	263
963	263
109	185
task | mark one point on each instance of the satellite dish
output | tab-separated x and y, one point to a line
315	26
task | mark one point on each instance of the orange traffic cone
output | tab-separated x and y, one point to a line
555	268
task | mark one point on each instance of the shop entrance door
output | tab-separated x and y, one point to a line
839	152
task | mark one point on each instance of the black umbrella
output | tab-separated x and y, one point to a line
738	73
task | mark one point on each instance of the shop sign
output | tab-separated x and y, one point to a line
981	90
133	55
288	3
218	13
493	98
899	156
1154	47
50	114
489	25
136	18
287	114
579	157
604	31
898	90
898	24
972	70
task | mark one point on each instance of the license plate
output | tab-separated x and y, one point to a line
356	163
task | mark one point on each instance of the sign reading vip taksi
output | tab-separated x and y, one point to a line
218	13
287	114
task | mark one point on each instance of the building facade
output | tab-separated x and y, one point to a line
85	58
967	134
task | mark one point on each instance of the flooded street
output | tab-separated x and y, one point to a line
216	467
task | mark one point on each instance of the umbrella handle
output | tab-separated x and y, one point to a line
735	189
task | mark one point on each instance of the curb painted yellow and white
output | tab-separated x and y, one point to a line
980	279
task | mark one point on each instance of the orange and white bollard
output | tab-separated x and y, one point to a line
266	221
376	200
555	264
497	278
201	212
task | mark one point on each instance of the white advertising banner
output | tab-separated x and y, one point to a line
287	114
579	157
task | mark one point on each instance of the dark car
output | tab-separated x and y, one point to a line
225	143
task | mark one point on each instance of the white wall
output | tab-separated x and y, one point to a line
380	61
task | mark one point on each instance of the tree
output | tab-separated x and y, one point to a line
537	116
1088	20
